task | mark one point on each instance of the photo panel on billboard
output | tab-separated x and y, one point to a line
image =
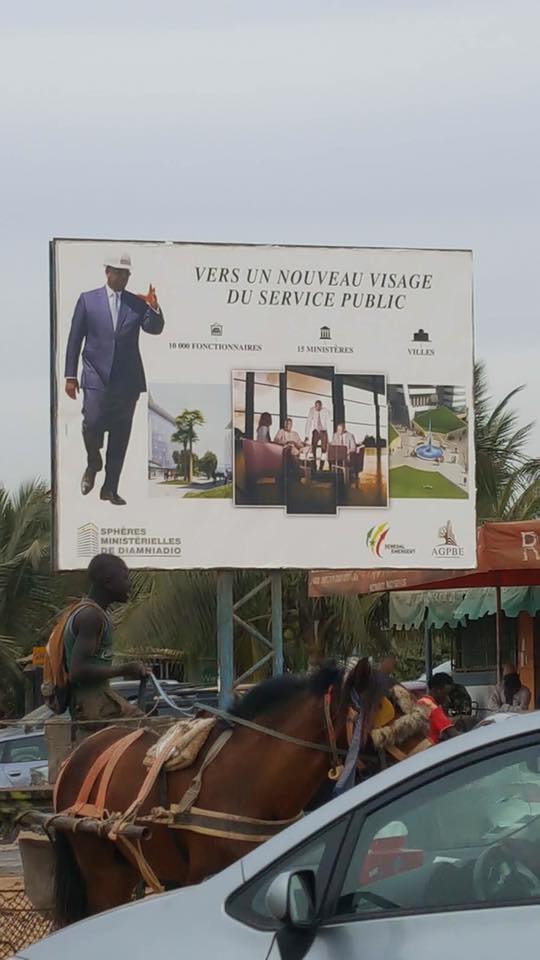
230	405
311	484
259	472
362	425
429	441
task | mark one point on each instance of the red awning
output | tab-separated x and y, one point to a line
508	556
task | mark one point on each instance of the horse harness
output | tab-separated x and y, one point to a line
185	815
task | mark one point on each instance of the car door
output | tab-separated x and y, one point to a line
445	864
20	756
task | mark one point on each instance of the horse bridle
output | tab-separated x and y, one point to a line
331	747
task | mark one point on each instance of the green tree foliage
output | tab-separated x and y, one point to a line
30	594
208	464
507	479
186	435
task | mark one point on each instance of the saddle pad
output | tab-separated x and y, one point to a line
182	743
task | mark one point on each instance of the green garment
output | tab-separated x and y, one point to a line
104	654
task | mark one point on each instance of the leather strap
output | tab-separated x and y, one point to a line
117	752
267	731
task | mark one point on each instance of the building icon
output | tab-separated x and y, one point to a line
87	540
421	336
216	329
325	333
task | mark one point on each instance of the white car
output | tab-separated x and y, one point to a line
20	754
438	855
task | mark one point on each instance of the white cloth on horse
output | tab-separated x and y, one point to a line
181	744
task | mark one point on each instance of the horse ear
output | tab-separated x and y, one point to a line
360	674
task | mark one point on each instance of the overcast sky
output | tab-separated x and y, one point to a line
369	122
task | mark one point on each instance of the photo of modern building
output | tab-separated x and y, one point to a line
161	426
189	441
428	441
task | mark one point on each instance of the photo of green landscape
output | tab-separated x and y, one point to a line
428	439
189	441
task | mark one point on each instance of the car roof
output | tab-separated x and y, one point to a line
12	733
495	733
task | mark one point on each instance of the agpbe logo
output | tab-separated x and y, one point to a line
448	548
376	537
446	534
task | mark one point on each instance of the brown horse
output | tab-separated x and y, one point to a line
255	775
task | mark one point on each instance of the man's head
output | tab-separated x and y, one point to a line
440	686
288	424
110	576
340	428
318	404
118	270
388	665
509	669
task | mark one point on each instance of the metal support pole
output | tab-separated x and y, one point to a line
428	651
277	622
225	636
498	632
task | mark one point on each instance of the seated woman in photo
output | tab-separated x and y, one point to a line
263	429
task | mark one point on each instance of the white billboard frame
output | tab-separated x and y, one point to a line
381	542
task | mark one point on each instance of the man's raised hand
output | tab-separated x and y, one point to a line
150	298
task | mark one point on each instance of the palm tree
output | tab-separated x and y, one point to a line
192	419
186	435
181	435
507	480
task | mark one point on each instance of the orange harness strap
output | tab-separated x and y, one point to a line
104	766
117	752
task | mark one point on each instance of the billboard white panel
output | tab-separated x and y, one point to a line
219	405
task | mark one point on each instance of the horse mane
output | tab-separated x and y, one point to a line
278	691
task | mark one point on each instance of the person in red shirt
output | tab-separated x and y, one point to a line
433	703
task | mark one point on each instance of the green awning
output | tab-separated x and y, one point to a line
482	602
409	608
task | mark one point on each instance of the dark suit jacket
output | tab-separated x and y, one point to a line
103	346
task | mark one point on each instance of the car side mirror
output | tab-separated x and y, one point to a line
290	899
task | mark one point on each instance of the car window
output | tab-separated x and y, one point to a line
318	854
24	750
469	838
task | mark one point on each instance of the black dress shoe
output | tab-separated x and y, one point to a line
88	480
113	498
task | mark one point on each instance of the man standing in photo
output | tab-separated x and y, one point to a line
318	420
108	321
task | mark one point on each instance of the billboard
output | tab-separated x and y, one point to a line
220	405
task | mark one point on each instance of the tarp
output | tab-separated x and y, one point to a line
409	609
508	555
514	600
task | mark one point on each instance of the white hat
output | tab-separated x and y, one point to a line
122	262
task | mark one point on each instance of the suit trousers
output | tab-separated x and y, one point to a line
109	410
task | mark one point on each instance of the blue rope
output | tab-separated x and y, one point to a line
347	778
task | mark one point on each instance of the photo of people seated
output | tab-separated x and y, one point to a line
310	439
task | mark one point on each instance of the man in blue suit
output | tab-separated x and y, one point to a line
108	321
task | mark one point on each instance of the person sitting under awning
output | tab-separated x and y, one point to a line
510	696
